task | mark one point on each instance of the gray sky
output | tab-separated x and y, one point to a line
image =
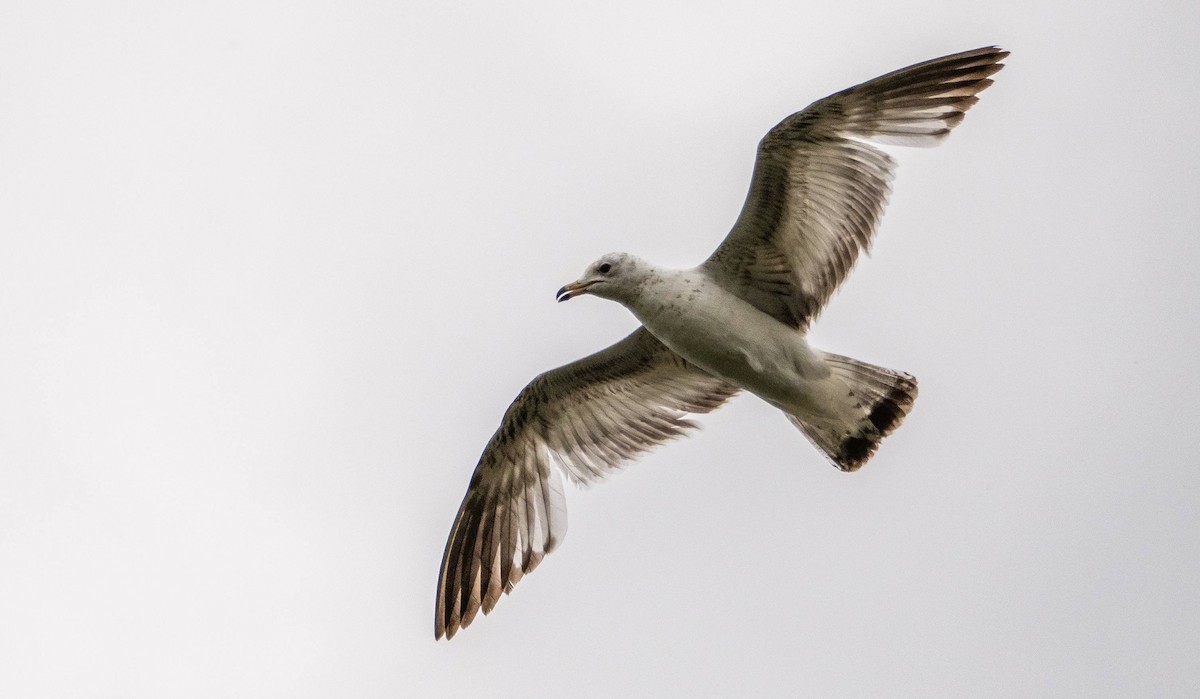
271	274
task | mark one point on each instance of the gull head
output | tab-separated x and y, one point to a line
616	276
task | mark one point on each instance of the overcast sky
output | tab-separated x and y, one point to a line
270	274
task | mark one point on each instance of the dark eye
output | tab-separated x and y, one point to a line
605	268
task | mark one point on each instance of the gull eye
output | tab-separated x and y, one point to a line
605	268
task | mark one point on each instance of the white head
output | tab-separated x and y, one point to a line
616	276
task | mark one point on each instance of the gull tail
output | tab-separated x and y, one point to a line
878	401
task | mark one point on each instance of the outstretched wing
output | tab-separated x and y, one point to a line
818	189
589	417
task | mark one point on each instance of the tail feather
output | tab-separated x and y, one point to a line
879	401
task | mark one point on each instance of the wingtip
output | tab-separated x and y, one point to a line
995	55
992	50
440	628
446	631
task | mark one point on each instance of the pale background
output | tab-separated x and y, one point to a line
270	274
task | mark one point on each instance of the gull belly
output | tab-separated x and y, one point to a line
727	337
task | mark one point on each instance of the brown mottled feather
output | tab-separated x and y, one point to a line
818	190
589	417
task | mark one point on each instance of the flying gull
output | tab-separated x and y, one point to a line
735	322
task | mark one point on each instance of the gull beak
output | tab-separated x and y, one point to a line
572	290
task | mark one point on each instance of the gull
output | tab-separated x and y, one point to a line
737	322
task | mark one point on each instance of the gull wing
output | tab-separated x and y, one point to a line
819	188
589	417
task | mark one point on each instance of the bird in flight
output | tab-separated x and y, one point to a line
737	322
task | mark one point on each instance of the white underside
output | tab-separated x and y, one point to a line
727	337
